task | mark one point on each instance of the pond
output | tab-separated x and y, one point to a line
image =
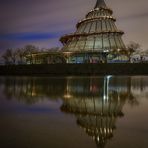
74	112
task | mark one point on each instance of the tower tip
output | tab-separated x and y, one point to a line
100	3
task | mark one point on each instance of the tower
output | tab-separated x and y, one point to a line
96	40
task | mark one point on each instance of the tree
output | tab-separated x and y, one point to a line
20	55
17	56
131	48
28	51
9	56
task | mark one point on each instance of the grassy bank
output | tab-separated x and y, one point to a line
75	69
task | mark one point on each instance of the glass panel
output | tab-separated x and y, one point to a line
112	41
86	30
79	29
111	26
77	46
106	43
103	13
73	43
121	42
98	42
117	41
99	26
108	25
89	43
82	27
114	25
68	44
103	25
93	27
98	13
81	43
95	13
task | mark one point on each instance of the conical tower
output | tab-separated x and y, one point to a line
95	38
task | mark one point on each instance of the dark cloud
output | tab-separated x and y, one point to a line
43	21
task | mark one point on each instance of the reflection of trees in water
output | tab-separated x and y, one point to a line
32	89
140	86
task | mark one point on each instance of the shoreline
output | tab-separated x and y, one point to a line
75	69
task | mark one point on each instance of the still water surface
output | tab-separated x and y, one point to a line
74	112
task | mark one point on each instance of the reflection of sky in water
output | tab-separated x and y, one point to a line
31	111
40	107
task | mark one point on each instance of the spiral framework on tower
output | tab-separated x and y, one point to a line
96	40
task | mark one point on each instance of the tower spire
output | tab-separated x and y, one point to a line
100	3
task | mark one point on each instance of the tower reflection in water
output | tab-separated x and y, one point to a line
97	104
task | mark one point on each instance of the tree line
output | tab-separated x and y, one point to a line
17	56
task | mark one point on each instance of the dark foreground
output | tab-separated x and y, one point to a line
76	69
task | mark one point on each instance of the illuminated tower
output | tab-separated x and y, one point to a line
96	40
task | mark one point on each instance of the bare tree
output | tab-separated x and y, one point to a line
7	56
17	56
20	55
24	55
28	51
131	48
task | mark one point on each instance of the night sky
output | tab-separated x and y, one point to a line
43	22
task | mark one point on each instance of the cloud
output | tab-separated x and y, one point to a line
28	21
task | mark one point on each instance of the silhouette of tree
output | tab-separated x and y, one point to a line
20	55
10	56
29	50
131	48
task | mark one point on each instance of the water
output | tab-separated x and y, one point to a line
74	112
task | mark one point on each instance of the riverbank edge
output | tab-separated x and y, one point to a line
75	69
